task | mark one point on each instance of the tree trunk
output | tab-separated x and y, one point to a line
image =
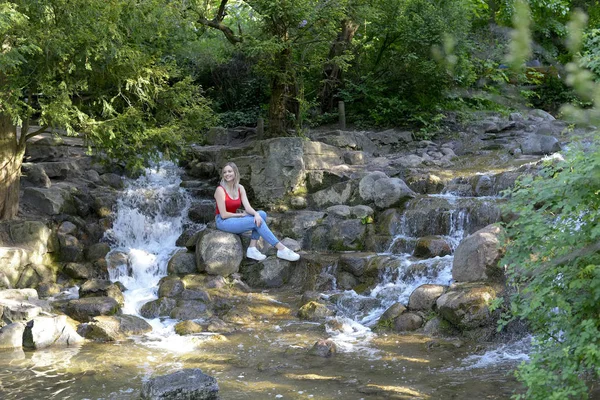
332	71
283	97
11	158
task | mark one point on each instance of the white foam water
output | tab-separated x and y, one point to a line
510	353
150	216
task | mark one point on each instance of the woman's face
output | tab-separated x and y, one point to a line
228	174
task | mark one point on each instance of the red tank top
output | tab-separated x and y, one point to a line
231	205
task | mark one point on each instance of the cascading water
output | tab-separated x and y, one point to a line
403	273
150	216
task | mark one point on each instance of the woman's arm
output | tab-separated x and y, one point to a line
249	210
220	199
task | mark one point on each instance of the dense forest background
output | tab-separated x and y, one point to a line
146	77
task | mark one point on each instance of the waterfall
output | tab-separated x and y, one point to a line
150	215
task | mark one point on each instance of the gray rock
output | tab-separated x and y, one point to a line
432	246
298	202
393	312
42	332
391	192
182	263
202	212
67	228
52	201
424	297
83	310
347	235
158	308
341	211
18	310
190	309
539	144
314	311
391	137
70	248
361	211
100	288
269	273
408	321
320	179
476	257
180	385
340	193
466	305
354	158
113	328
346	281
11	336
355	263
366	185
36	175
79	270
433	327
112	180
96	251
324	348
219	252
170	287
19	294
188	328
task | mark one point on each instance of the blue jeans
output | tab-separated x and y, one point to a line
241	225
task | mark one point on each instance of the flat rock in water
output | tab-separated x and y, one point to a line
180	385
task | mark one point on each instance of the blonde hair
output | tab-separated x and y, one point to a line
236	179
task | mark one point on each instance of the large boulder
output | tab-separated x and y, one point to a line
83	310
424	297
432	246
42	332
52	201
539	144
113	328
218	252
391	192
466	305
269	273
408	321
158	308
476	257
101	287
180	385
11	336
182	263
340	193
12	310
365	186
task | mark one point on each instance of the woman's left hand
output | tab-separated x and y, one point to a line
257	219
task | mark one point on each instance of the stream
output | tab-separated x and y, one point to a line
269	357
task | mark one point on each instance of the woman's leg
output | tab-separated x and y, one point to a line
241	225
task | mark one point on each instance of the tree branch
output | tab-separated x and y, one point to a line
32	134
217	23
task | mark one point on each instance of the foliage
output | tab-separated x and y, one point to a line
102	68
590	57
553	258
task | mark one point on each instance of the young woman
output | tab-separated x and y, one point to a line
230	196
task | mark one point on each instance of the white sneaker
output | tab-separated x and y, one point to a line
288	254
254	254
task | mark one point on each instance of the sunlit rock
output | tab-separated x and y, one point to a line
366	185
314	311
113	328
170	287
476	257
188	328
42	332
11	336
100	288
161	307
391	192
18	310
408	321
184	384
466	305
394	311
432	246
182	263
220	253
424	297
85	309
